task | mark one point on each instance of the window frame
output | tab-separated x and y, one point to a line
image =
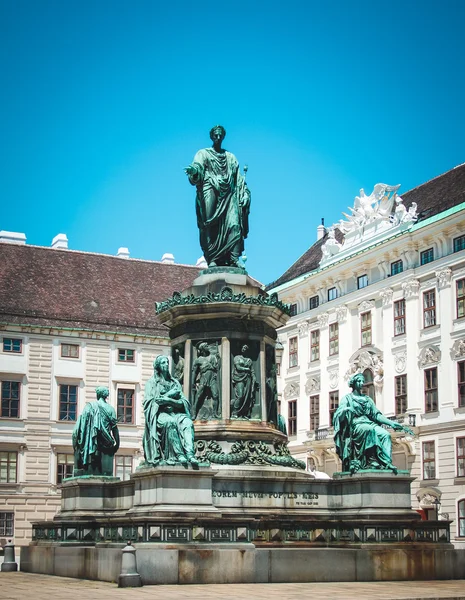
314	405
64	471
461	383
425	462
124	467
400	394
362	281
12	341
459	241
334	339
394	267
124	406
64	345
364	328
460	298
426	256
293	352
10	399
310	303
332	294
7	516
431	392
333	405
293	309
315	345
460	456
399	318
292	417
429	311
9	462
123	355
68	402
461	518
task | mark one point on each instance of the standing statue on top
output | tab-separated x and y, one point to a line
361	440
222	202
95	437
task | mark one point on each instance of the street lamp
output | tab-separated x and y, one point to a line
436	503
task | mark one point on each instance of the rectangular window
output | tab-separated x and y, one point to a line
314	412
431	390
313	302
426	256
461	382
399	317
333	404
397	267
365	328
332	294
461	517
8	463
429	460
70	350
460	286
125	407
429	308
292	417
401	394
459	243
10	399
65	466
333	339
12	345
315	345
293	308
362	281
68	402
7	524
293	353
125	355
461	457
123	467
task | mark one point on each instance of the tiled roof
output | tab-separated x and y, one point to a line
432	197
64	288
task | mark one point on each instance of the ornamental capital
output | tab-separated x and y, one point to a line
341	313
386	296
323	319
444	276
411	288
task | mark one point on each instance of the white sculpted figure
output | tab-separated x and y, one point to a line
378	205
331	246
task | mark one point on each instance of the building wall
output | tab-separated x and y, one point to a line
38	436
388	356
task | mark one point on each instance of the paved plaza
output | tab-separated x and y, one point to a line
22	586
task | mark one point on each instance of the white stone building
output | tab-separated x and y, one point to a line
69	322
383	292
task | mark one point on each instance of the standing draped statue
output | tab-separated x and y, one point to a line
222	202
205	382
95	437
245	385
361	441
169	431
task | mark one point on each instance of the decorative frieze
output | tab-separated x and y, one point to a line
400	361
313	385
292	390
333	379
410	288
458	349
365	306
429	355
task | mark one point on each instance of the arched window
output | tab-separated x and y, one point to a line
461	517
369	388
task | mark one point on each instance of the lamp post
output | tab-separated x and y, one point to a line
437	503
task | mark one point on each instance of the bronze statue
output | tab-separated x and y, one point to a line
95	437
205	381
361	441
222	202
245	385
178	369
169	431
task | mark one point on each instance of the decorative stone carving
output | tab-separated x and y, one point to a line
411	288
427	496
429	355
302	328
386	296
323	319
378	370
402	215
458	349
312	385
365	359
331	246
365	306
292	390
367	209
400	362
341	313
333	379
444	276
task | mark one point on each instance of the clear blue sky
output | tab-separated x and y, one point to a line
104	102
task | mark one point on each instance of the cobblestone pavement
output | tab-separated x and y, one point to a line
24	586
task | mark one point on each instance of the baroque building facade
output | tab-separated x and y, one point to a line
383	292
71	321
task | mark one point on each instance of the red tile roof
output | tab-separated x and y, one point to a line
65	288
432	197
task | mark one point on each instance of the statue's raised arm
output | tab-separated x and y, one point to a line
222	202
